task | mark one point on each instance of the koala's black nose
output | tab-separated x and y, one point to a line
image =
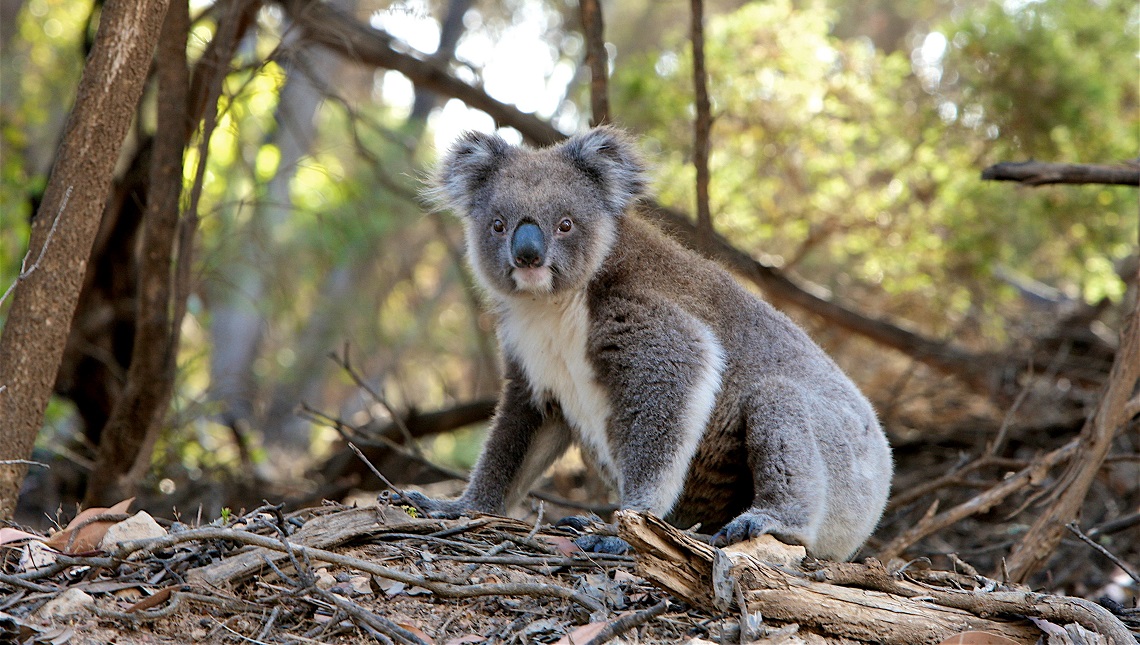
527	246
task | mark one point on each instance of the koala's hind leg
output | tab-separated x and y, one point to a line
789	474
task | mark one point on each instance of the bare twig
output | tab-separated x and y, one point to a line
979	504
1037	173
442	589
345	363
1076	530
25	270
1092	446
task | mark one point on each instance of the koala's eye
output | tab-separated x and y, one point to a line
565	225
498	226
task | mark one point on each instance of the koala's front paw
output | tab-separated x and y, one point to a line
745	527
436	508
593	543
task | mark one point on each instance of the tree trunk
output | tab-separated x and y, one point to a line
62	233
150	377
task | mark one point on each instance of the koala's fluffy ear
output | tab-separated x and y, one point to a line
609	158
466	169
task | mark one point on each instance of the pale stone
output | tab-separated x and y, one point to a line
140	526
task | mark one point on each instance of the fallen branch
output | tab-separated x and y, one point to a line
1038	173
882	608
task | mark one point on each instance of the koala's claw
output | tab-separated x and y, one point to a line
577	522
593	543
434	508
745	527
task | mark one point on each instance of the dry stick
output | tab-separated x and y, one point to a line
387	482
442	589
703	125
952	478
626	623
379	623
979	504
1076	530
597	59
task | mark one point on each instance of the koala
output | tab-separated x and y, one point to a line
694	399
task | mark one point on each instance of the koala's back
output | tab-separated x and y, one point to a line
764	352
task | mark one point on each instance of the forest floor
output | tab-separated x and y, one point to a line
339	574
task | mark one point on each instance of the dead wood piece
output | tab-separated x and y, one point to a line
1037	173
321	532
684	566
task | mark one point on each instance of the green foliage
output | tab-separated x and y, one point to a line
861	168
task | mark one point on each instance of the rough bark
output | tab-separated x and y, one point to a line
150	377
43	304
864	602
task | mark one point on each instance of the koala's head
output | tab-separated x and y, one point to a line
540	221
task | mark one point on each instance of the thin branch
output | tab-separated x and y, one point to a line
597	59
979	504
25	270
442	589
1038	173
1076	530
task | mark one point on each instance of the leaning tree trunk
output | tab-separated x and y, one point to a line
63	231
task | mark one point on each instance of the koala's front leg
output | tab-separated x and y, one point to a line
662	369
522	442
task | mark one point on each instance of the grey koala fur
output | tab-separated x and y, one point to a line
696	400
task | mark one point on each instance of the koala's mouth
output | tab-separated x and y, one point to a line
534	279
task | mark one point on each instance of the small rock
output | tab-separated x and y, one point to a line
139	526
71	602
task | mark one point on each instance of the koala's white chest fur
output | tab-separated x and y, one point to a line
548	338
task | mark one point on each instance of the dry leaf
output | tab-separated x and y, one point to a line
418	632
978	638
582	634
89	534
465	640
154	600
12	535
564	545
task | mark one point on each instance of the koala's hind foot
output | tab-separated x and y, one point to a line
437	508
752	524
